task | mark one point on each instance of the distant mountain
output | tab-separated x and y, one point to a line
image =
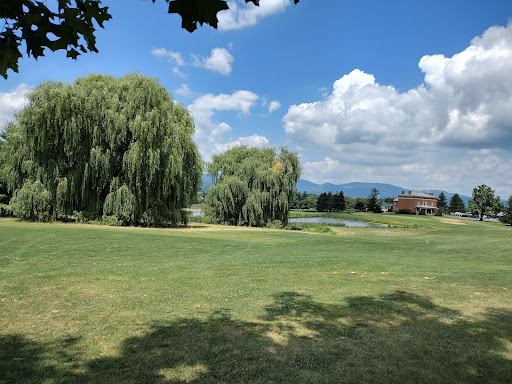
359	189
351	189
207	182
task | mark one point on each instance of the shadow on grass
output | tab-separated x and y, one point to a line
396	338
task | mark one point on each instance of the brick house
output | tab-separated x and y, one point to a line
416	201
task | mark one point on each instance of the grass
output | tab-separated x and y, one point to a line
430	303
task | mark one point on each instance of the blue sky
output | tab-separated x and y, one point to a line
412	93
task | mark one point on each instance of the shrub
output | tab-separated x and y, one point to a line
196	219
4	199
32	202
307	227
276	224
113	221
6	210
404	211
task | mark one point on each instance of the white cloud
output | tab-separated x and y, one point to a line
184	91
219	61
466	102
241	15
453	132
209	132
177	71
12	102
172	57
331	170
274	106
249	141
450	169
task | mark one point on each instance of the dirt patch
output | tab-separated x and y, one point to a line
451	221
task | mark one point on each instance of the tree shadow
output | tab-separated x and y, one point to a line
394	338
24	360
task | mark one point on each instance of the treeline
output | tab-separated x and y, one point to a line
327	202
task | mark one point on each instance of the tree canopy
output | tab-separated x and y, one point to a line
304	200
507	212
373	203
484	202
70	26
331	202
253	187
359	204
441	202
103	145
457	204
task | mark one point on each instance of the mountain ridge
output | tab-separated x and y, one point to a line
362	189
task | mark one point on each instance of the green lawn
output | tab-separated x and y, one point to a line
431	303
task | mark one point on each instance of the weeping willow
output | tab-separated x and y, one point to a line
102	146
253	186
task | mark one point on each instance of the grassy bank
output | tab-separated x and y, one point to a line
426	304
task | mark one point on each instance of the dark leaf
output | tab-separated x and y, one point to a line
197	11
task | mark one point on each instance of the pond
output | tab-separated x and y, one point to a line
323	220
316	220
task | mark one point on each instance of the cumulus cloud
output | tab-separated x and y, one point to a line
454	170
177	72
219	61
273	106
331	170
184	91
210	132
453	132
465	102
241	15
249	141
11	102
172	57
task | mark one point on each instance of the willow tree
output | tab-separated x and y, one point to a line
102	146
253	186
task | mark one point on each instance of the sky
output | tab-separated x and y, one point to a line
412	93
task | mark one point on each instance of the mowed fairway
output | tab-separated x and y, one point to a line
93	304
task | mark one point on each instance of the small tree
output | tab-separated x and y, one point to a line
507	216
339	201
359	205
441	202
374	201
484	202
309	202
330	202
322	204
456	204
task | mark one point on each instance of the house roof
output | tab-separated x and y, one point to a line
426	207
417	194
384	204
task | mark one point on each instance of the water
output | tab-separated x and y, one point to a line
318	220
323	220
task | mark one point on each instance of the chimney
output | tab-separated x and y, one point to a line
409	192
403	192
431	194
